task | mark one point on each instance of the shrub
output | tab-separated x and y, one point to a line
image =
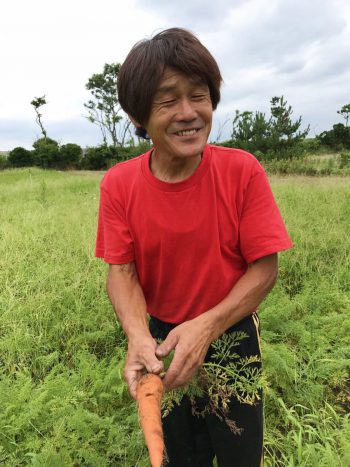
288	167
96	158
4	163
70	155
311	145
129	152
259	155
103	157
286	152
344	159
20	157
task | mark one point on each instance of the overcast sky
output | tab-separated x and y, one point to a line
265	48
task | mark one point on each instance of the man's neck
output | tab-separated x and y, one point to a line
175	169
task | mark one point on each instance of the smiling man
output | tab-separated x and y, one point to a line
191	232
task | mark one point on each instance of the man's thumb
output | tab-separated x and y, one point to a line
152	364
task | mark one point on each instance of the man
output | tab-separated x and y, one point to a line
191	232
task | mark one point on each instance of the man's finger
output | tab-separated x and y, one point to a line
132	390
131	381
178	373
167	345
152	364
173	379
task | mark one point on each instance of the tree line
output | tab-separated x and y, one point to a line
273	137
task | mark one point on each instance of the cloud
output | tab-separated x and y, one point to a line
298	48
271	33
272	47
194	14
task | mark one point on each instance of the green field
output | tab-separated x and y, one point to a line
62	398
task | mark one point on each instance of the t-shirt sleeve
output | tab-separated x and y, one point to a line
262	230
114	242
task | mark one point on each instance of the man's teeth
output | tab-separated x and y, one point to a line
186	132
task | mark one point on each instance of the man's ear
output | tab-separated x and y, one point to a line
140	129
134	122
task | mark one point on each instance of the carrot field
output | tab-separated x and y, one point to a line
63	401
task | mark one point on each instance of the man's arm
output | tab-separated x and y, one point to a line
129	303
191	339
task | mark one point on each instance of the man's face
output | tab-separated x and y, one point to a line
181	116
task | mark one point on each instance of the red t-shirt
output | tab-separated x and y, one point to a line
191	240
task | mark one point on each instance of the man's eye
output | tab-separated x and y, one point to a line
168	101
198	96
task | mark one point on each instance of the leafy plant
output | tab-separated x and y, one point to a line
226	375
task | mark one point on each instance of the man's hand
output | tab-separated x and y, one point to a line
140	359
190	340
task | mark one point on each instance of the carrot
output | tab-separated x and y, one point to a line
148	396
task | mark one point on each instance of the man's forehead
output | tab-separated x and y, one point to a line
170	78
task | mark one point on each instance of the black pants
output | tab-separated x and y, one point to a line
194	441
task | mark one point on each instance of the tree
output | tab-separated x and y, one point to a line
285	133
345	113
337	138
20	157
276	137
250	131
46	153
104	108
38	102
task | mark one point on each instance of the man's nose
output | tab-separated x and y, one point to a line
186	110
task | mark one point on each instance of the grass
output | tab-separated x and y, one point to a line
63	401
312	165
306	325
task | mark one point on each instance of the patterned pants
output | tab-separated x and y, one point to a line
194	440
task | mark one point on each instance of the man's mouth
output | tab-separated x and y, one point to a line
191	132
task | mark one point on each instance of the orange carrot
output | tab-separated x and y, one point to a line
149	395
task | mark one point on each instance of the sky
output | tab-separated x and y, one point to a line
264	48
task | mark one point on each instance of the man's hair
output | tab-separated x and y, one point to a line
143	68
